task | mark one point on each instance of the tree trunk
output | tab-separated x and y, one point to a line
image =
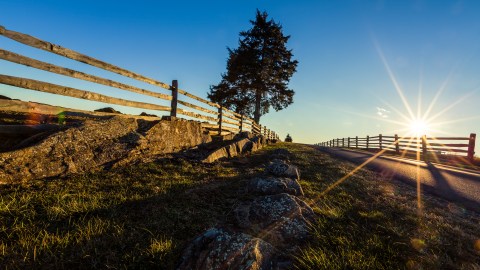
258	103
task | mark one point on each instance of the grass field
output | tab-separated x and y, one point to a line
142	216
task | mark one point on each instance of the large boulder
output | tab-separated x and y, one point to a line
281	219
107	110
218	249
233	149
216	155
280	168
98	144
245	134
275	185
258	142
241	145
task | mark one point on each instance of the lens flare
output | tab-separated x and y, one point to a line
419	127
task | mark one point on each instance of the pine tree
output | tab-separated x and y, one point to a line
258	71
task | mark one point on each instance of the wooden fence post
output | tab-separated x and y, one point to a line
471	146
220	114
348	142
424	147
241	124
380	141
356	141
173	107
397	146
368	140
343	142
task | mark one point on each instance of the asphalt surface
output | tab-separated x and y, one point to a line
453	184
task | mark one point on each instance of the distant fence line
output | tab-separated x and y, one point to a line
219	120
424	144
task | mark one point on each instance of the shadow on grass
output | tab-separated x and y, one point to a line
138	217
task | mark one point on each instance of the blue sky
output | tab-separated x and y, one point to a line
345	50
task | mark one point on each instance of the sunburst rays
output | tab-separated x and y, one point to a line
415	125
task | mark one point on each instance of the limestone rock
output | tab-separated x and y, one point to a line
281	219
271	186
107	110
148	114
216	155
245	134
218	249
244	145
96	144
248	147
233	149
257	143
281	168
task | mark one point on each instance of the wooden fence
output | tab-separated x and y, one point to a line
214	117
424	145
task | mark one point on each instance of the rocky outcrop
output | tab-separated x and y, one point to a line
282	169
239	145
218	249
274	185
275	223
280	219
107	110
97	144
148	114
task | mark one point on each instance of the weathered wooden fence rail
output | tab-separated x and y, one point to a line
217	119
424	145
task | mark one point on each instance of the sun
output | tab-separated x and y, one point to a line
419	127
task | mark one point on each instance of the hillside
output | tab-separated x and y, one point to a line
143	216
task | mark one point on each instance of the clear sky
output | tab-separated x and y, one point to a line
355	57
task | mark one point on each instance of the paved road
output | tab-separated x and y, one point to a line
461	186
